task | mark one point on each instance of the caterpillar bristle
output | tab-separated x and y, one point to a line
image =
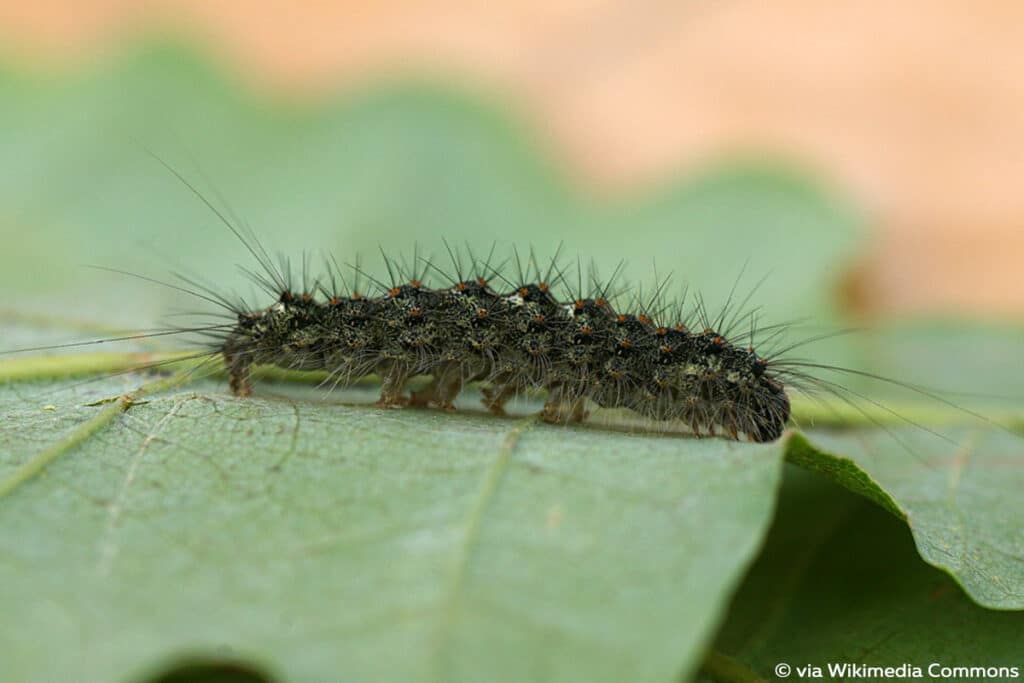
516	326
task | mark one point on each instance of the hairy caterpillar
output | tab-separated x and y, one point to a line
515	339
512	331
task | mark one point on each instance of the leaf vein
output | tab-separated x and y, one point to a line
470	537
108	547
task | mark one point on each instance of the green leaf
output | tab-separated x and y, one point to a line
959	494
839	581
326	540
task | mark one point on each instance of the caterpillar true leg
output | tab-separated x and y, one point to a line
239	364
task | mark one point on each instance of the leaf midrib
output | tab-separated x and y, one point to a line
472	524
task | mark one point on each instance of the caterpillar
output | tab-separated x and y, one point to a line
512	332
515	339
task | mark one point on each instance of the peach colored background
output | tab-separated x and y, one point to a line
914	107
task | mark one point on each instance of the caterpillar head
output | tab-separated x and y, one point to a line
747	398
769	406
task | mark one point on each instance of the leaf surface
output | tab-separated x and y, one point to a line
326	539
960	497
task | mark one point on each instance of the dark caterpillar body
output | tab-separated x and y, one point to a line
578	347
518	340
